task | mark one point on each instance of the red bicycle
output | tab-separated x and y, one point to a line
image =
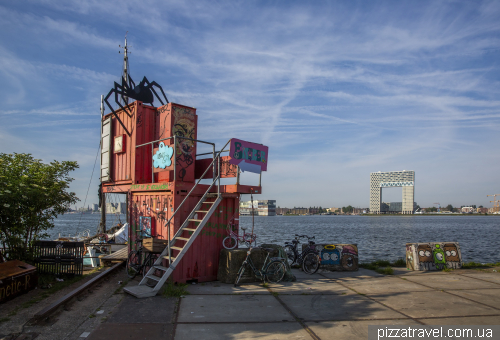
232	240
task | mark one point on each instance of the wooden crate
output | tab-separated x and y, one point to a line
154	245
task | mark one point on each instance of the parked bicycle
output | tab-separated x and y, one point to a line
273	270
231	241
140	261
308	258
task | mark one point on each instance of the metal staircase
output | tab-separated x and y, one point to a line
187	233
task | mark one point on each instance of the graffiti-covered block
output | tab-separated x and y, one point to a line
433	256
338	256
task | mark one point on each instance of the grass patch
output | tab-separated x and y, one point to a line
383	266
475	265
386	271
4	319
174	290
265	285
274	294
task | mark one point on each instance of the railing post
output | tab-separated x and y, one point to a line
152	164
175	158
169	256
238	175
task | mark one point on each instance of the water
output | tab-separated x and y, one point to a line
378	237
72	224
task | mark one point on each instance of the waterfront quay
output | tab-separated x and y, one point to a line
326	305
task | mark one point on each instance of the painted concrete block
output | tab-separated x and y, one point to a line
338	257
433	256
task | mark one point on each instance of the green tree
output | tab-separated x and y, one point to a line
449	207
32	194
348	209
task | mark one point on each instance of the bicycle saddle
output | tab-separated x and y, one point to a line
243	228
269	250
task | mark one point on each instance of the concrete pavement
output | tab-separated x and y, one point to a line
327	305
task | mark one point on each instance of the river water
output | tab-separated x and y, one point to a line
377	237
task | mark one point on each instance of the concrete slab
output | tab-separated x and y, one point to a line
241	331
144	331
432	304
386	284
452	281
404	271
306	287
155	309
349	330
469	320
491	277
490	297
300	275
232	308
213	288
360	274
337	307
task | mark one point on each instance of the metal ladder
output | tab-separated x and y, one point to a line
187	234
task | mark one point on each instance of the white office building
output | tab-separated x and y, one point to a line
380	180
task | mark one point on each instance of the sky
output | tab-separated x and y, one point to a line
335	89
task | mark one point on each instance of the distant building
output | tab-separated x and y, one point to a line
467	209
260	207
380	180
282	211
482	210
95	207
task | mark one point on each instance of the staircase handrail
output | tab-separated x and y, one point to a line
216	177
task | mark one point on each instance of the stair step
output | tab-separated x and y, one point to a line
189	229
152	277
140	291
212	195
201	211
176	248
182	238
194	220
172	257
161	267
208	202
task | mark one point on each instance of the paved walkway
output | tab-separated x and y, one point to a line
327	305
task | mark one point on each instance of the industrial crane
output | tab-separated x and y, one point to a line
496	203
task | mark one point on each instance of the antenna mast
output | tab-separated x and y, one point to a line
125	65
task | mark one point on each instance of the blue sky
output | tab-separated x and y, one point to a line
337	90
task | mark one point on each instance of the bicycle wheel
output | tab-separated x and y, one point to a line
310	264
275	271
290	254
133	264
240	274
229	242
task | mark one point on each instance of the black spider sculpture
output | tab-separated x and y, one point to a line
143	92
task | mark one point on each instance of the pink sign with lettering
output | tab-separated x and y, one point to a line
248	156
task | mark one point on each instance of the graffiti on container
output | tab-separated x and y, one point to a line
145	225
339	256
163	157
184	126
433	256
162	186
228	169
